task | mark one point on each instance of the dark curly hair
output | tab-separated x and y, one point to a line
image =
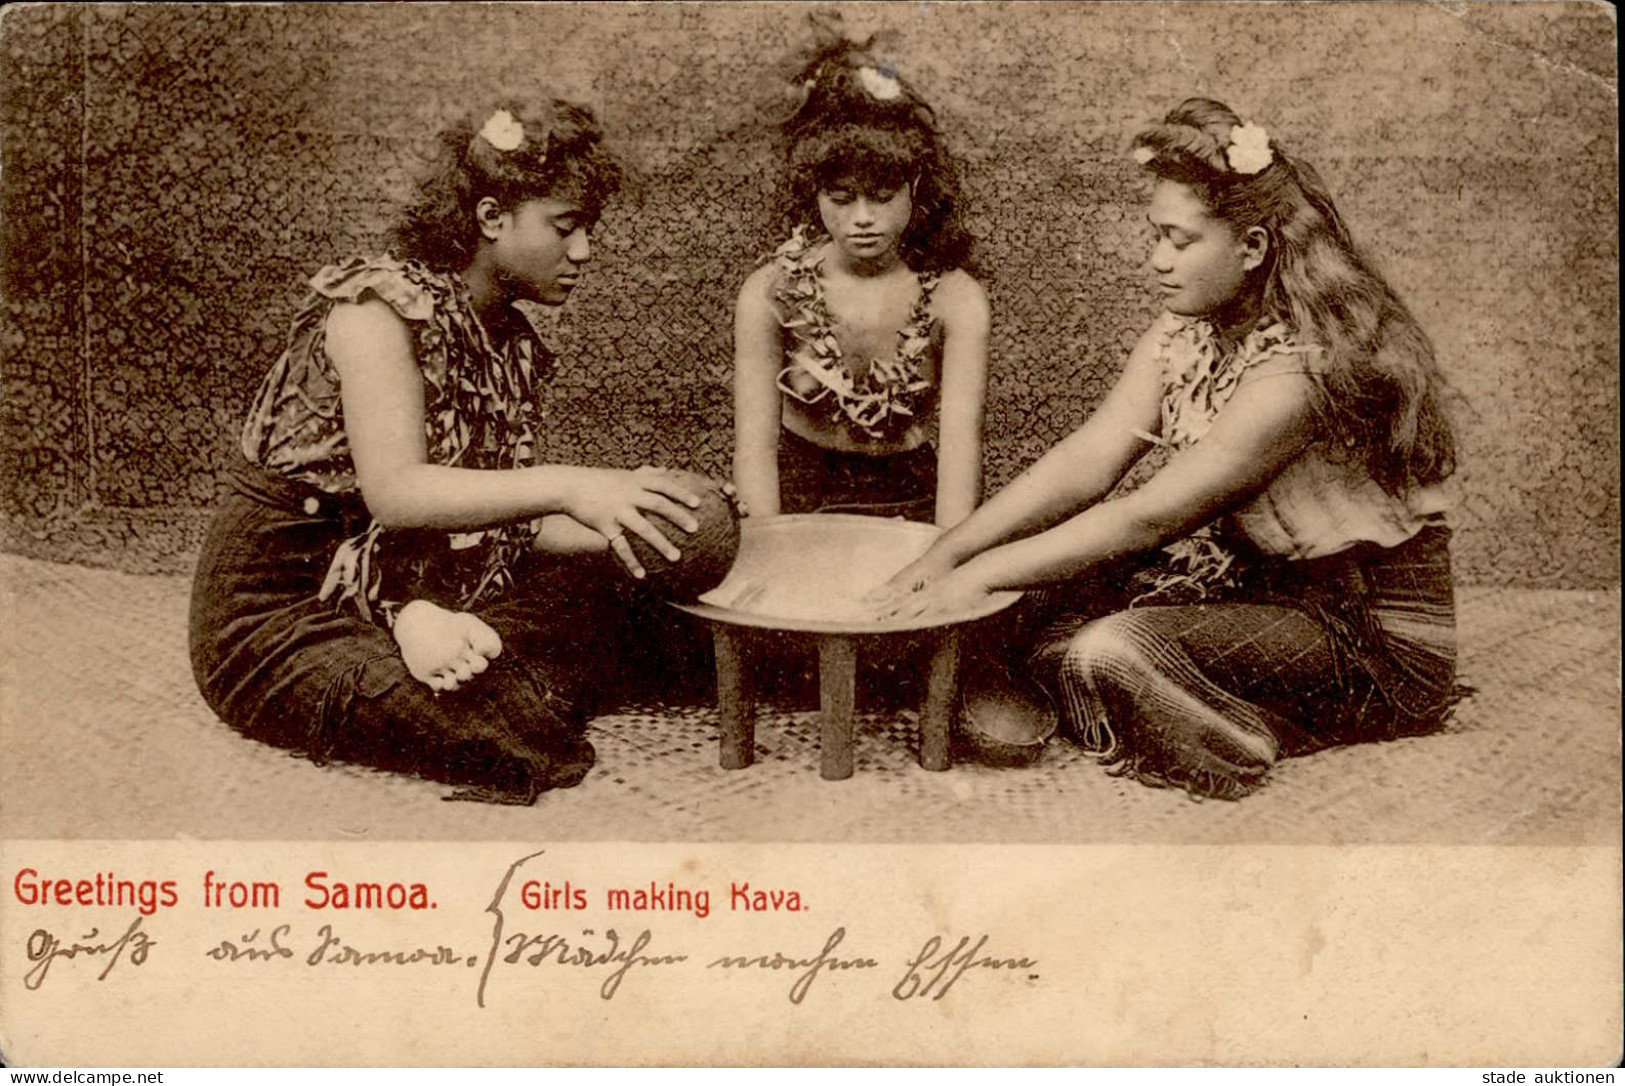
1382	398
844	132
561	155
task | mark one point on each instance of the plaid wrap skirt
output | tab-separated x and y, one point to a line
1291	658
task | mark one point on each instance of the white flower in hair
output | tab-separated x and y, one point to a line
1249	150
880	85
1143	154
503	131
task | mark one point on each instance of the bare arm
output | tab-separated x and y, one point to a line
963	305
382	392
1077	472
757	406
560	533
1264	427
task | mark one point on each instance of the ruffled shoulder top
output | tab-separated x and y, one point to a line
482	407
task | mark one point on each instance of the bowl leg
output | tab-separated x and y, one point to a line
837	697
941	693
736	703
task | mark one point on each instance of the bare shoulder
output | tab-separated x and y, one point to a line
960	300
1284	385
366	329
1147	351
758	287
363	321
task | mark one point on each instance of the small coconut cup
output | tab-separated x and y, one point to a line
1004	722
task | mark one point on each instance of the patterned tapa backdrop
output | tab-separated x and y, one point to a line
172	174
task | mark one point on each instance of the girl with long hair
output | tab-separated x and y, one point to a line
1283	583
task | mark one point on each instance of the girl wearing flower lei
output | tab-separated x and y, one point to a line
862	334
393	580
1282	584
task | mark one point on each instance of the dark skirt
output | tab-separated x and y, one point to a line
1294	657
312	677
813	479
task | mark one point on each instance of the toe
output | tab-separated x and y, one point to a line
483	640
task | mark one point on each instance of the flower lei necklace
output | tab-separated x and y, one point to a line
881	395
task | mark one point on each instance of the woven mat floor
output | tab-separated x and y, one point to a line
104	736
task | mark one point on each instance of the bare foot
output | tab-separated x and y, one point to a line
444	649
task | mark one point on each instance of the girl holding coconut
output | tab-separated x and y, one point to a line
393	580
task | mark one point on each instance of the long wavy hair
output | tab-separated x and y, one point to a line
560	154
1382	397
845	131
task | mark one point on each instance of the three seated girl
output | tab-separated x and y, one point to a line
395	581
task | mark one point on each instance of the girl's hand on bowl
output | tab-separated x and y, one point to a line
955	593
915	577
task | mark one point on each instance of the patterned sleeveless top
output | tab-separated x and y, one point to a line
482	409
880	400
1317	506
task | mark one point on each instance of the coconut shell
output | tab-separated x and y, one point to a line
708	552
1003	721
